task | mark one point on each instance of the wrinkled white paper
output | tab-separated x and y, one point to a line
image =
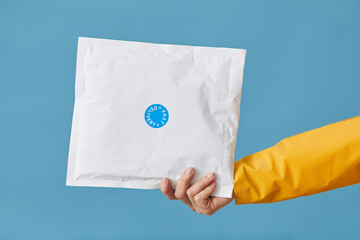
112	141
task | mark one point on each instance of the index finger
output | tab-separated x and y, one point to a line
200	185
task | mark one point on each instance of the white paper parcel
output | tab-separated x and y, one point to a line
147	111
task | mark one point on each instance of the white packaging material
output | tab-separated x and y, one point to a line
147	111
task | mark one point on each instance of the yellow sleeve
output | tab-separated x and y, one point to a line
311	162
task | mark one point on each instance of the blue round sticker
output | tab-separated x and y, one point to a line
156	115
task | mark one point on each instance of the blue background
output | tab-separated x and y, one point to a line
302	72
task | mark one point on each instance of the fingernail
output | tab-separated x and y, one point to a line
210	175
212	184
189	171
164	182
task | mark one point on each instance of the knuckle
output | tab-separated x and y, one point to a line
205	181
179	195
189	193
184	178
197	198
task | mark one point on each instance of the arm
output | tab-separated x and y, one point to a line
312	162
319	160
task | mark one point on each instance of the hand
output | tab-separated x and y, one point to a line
196	196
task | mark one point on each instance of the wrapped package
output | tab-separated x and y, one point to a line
147	111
